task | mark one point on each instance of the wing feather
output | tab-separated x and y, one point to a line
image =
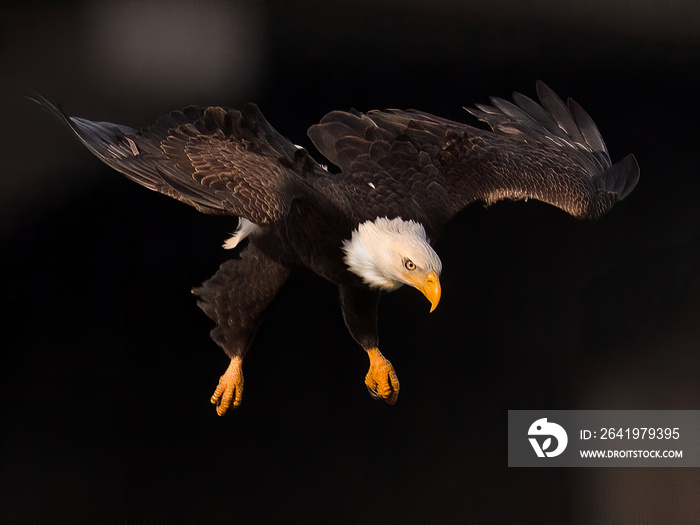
555	107
220	161
433	166
588	129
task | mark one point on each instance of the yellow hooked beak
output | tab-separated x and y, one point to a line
430	288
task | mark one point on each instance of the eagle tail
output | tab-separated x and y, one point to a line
621	178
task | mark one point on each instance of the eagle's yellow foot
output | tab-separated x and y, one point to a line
230	389
381	379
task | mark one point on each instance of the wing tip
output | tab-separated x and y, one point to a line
45	104
565	123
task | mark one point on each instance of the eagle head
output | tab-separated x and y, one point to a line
388	253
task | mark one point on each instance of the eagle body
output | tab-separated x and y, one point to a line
369	226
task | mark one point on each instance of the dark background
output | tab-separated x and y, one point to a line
107	367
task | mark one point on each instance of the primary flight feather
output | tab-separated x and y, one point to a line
369	228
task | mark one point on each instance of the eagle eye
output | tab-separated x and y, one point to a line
409	265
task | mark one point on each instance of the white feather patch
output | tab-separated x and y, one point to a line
376	249
245	228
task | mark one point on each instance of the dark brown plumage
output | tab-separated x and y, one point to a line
394	164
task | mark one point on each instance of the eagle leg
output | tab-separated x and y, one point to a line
236	298
360	305
381	380
230	387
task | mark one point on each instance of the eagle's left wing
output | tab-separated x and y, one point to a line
551	152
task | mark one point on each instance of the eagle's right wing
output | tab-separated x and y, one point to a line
220	161
565	161
435	167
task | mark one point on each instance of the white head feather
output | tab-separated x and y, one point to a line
378	251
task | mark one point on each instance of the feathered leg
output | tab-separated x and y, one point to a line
236	298
360	313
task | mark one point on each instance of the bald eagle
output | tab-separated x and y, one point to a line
369	228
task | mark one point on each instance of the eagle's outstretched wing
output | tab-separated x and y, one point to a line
551	152
220	161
